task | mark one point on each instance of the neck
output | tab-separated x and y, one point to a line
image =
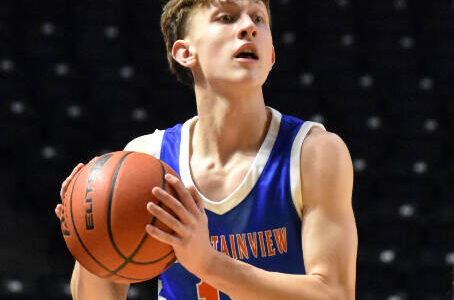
229	123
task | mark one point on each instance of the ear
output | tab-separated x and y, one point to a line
183	54
273	56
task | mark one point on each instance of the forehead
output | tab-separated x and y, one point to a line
234	2
201	12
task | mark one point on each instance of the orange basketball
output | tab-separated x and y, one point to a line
104	217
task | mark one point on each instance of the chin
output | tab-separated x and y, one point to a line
252	81
249	78
240	80
246	82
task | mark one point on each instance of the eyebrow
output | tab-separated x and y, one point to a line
233	2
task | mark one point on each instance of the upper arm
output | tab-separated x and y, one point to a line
329	232
139	144
150	144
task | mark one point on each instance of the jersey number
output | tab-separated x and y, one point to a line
206	291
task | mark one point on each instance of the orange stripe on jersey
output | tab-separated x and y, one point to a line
232	246
269	243
262	244
253	243
214	242
280	235
242	248
224	248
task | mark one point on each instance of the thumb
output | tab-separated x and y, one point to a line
58	210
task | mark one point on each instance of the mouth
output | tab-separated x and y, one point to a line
247	55
247	52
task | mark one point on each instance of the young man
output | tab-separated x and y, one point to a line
261	215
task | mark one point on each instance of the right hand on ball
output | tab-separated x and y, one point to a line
64	187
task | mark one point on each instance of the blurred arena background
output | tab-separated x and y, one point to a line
80	78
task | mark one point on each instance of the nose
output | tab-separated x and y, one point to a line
247	28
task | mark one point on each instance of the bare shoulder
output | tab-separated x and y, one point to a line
326	167
139	144
150	143
323	147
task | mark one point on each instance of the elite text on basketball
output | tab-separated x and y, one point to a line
94	171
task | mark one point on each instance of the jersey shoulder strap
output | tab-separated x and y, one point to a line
295	165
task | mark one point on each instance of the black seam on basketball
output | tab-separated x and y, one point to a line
152	223
163	187
128	259
170	263
131	257
86	249
163	175
112	188
115	272
80	239
148	263
125	277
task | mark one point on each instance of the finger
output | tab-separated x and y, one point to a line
76	169
167	219
67	181
58	210
64	188
176	206
198	199
183	193
162	235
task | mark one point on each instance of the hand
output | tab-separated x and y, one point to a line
190	239
64	187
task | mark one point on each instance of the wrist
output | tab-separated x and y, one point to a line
209	262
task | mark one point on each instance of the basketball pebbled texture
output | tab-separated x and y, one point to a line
104	217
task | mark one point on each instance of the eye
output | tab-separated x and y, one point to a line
226	18
259	19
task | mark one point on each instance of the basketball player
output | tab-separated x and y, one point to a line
264	201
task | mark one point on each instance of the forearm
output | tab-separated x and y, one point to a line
242	281
86	286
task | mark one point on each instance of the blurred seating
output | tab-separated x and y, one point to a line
81	79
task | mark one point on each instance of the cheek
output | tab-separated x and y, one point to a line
270	55
214	53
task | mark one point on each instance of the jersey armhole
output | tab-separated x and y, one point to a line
149	144
160	289
295	165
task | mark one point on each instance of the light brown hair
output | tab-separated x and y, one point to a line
174	21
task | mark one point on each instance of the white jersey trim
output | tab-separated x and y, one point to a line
249	181
295	165
159	290
150	143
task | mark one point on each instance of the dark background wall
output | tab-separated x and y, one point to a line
81	78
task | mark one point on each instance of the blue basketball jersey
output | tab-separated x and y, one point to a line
260	221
